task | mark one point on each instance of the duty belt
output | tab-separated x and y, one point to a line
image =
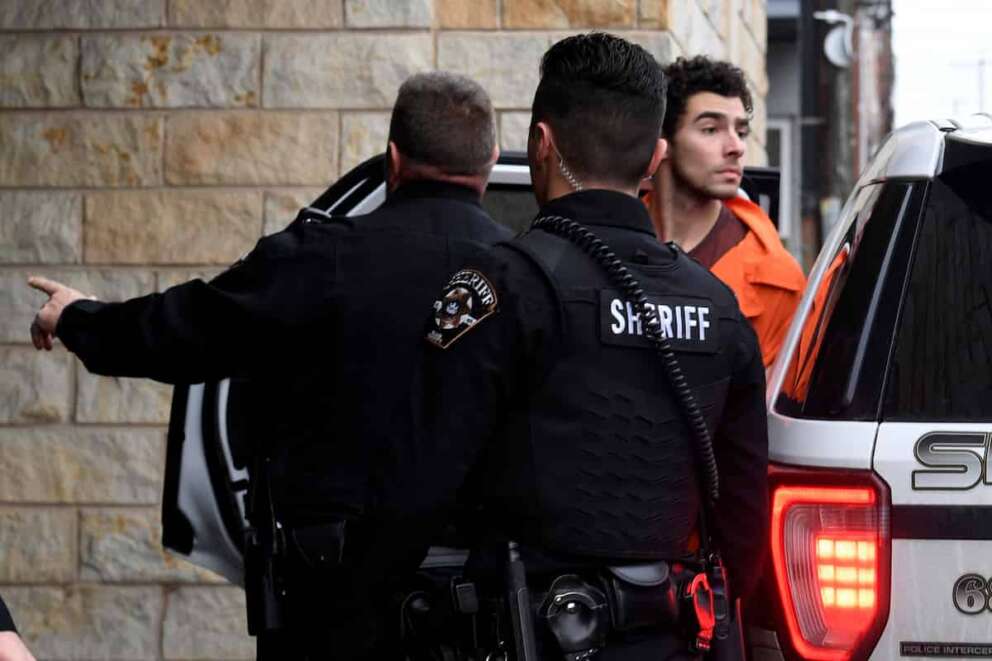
580	612
577	610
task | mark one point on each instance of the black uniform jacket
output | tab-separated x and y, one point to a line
540	398
324	318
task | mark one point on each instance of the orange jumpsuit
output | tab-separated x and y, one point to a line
766	278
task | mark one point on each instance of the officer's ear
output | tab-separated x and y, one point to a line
660	154
544	145
488	169
394	165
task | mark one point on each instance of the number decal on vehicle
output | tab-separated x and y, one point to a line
971	594
955	461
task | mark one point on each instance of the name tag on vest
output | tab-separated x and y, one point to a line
689	323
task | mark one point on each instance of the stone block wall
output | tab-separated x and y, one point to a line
145	142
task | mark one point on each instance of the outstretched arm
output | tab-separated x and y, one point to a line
246	318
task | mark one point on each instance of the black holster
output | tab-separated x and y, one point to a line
437	617
730	648
580	615
264	586
641	596
268	558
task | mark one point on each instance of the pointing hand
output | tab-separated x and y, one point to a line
43	326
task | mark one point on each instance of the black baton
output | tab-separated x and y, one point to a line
518	600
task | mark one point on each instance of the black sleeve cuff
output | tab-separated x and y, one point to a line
72	322
6	621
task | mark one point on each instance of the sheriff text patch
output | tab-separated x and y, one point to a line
467	299
689	323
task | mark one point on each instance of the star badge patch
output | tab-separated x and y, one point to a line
467	299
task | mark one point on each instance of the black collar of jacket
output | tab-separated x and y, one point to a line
430	188
602	207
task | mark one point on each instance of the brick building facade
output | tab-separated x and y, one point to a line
144	142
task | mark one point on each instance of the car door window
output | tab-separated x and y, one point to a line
837	366
512	205
942	364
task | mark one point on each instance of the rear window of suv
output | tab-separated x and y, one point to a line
942	364
837	367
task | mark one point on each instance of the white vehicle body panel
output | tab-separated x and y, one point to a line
510	174
925	571
922	608
823	443
914	151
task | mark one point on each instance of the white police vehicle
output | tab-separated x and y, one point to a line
880	418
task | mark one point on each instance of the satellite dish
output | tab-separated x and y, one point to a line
837	46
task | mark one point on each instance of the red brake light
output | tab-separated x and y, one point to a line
830	552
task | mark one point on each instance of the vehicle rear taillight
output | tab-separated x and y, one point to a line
830	549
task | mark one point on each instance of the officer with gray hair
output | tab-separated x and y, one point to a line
324	318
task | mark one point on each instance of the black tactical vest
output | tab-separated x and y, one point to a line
600	461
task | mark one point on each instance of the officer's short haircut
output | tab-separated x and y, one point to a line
701	74
445	120
604	99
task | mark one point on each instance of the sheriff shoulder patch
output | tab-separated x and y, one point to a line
467	299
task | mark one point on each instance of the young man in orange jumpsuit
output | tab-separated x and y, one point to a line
695	197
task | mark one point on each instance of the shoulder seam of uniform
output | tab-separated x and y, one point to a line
518	245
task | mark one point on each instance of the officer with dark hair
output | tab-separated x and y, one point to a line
325	319
592	391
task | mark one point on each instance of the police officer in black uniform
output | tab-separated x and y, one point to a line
325	318
542	398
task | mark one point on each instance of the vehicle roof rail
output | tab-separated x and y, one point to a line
978	120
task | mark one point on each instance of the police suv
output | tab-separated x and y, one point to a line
880	417
880	414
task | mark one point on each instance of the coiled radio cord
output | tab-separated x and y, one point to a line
621	278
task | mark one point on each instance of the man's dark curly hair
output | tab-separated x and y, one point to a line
701	74
604	98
